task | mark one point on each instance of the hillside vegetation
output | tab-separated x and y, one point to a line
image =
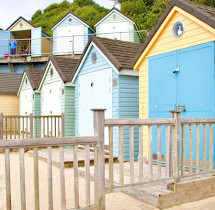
144	12
88	10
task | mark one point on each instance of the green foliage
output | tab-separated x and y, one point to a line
144	12
88	10
147	12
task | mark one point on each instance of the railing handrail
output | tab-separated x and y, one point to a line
50	142
197	120
88	34
34	116
132	122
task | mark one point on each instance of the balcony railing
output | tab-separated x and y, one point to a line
60	45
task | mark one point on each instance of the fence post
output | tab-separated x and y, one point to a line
99	124
62	125
176	145
1	126
31	126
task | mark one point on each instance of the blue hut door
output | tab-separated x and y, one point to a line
36	42
4	42
185	78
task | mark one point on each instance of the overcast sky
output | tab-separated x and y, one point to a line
10	10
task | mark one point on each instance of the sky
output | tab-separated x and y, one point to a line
10	10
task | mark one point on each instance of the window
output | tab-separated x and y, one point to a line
26	81
114	17
93	57
51	72
70	19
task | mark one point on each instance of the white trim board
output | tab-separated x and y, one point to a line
114	10
129	73
73	17
21	84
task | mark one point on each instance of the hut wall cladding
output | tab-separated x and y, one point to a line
196	33
65	23
133	37
129	108
69	111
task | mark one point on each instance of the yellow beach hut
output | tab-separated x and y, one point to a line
176	65
9	85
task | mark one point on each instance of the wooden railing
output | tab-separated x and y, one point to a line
186	153
139	175
29	126
169	149
35	144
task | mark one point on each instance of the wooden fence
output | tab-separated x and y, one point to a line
29	126
186	153
99	184
183	156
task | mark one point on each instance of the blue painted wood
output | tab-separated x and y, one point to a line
36	42
19	68
129	108
192	86
4	42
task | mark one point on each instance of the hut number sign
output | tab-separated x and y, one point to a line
178	29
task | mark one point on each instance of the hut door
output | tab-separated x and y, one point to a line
95	91
182	78
4	37
162	85
36	42
195	81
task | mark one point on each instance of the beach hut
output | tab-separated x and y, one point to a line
116	25
29	97
9	86
70	35
30	38
105	79
57	91
176	65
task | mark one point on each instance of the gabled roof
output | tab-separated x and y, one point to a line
112	10
202	12
17	20
9	83
64	65
34	77
119	53
22	18
70	13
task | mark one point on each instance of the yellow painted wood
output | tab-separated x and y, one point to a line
17	26
196	32
143	106
9	104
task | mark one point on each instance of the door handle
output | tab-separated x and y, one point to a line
176	70
180	107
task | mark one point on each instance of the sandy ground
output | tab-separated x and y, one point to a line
114	201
